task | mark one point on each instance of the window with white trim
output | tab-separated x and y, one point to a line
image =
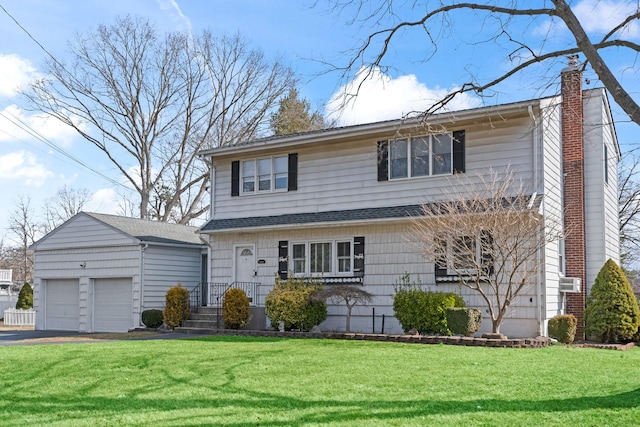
321	258
264	175
464	254
421	156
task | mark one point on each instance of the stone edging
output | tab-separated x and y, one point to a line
538	342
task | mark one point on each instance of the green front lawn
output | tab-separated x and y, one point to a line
235	381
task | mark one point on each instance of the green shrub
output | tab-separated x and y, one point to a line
176	307
612	312
25	297
463	321
563	328
152	318
235	309
424	310
291	301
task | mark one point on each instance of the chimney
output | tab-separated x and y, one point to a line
573	168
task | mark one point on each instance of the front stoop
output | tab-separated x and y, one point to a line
203	321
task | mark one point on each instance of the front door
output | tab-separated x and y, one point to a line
245	264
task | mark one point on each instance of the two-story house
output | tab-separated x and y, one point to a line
337	203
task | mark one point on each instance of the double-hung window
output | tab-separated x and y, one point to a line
263	175
420	156
323	258
465	255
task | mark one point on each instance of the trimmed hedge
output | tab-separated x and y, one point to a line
176	307
463	321
235	309
424	311
563	328
292	301
152	318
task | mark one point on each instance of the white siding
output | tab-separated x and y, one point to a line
84	231
553	208
165	267
389	253
601	210
341	176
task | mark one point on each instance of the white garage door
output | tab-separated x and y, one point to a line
112	305
62	304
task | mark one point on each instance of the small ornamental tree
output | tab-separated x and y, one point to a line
348	294
176	307
612	312
25	297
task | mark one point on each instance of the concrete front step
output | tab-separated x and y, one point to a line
195	331
210	324
204	316
207	310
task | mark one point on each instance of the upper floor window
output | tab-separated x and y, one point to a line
420	156
429	155
264	175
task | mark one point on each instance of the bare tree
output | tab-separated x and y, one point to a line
506	24
66	203
23	226
629	207
150	102
488	233
348	294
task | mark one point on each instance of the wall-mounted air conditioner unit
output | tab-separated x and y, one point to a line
570	285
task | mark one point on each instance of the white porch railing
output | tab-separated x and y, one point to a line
15	317
5	276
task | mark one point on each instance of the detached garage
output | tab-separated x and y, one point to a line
98	273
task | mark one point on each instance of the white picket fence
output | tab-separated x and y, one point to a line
15	317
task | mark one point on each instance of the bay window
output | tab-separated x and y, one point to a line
323	258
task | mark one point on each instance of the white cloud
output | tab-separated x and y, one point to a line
14	73
601	16
172	7
596	17
23	165
105	200
380	97
13	122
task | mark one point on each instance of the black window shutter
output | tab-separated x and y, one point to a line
486	252
358	256
458	151
383	160
235	178
440	265
293	172
283	259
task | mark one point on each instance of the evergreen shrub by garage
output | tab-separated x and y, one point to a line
25	297
291	301
563	328
612	312
152	318
176	307
463	321
424	311
235	309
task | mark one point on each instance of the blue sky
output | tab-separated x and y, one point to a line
305	37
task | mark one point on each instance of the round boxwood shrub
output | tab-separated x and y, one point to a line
25	297
612	312
176	308
235	309
292	301
563	328
152	318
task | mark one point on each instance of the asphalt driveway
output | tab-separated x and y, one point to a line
31	337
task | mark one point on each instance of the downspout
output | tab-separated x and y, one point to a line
539	255
142	250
